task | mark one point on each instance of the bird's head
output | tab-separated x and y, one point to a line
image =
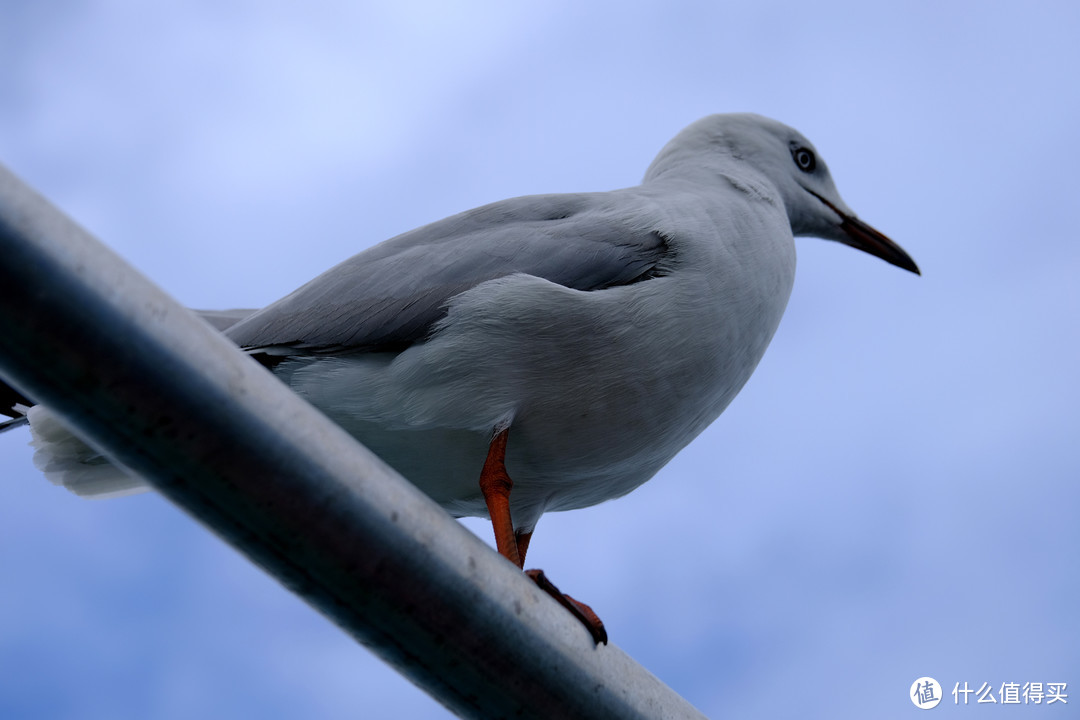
743	146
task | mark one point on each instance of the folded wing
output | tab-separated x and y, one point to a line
390	295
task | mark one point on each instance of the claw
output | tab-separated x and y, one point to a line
580	610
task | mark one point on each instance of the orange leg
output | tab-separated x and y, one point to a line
523	539
495	484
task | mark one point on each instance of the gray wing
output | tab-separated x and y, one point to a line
390	295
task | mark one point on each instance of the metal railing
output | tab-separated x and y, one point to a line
144	379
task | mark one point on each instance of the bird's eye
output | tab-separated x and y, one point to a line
804	159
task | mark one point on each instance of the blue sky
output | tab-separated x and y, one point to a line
893	495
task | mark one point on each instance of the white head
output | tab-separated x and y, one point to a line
741	142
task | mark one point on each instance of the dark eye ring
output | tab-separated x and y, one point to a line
805	159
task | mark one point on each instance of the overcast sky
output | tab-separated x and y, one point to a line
893	495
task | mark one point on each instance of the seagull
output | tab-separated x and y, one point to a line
546	352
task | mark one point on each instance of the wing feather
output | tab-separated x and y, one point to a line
390	295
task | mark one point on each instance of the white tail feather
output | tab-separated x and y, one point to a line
69	461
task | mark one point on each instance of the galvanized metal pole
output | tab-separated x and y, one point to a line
144	379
